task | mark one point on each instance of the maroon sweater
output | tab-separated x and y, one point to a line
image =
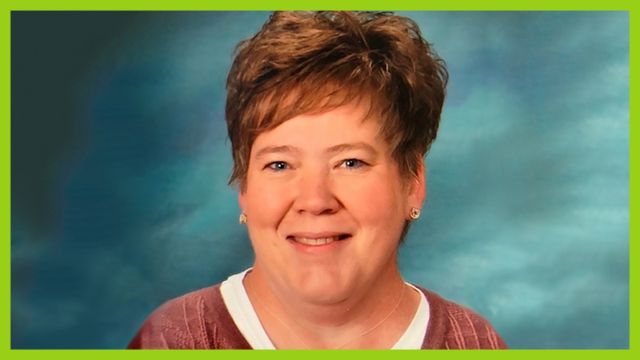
200	320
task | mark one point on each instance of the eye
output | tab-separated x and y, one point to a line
278	166
353	164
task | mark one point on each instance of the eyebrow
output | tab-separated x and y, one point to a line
352	146
288	149
284	149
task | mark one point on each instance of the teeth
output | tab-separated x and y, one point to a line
320	241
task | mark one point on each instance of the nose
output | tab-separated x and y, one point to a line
315	194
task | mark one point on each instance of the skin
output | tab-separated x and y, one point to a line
315	176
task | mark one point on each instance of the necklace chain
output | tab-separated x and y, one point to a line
253	288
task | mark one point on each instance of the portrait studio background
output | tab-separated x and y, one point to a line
120	162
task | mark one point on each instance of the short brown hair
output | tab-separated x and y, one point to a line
312	62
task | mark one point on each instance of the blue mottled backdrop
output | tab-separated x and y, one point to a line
120	162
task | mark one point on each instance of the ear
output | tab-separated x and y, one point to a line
417	188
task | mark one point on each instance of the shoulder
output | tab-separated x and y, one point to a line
197	320
453	326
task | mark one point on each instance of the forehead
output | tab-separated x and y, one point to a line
349	124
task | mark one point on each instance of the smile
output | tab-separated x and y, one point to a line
318	241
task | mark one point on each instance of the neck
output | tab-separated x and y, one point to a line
383	307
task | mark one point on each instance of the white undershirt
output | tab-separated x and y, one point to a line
237	301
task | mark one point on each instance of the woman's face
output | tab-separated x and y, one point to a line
325	205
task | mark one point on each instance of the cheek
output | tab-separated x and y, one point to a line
266	206
376	201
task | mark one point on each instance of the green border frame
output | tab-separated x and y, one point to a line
5	151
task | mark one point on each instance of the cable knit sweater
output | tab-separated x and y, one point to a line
200	320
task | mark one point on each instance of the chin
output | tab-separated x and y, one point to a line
322	289
318	297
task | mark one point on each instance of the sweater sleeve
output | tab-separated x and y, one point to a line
150	335
468	330
171	326
198	320
452	326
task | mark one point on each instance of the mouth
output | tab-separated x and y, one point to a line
317	240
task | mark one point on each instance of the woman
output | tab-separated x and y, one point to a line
329	116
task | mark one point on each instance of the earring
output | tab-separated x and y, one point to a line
242	219
414	213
